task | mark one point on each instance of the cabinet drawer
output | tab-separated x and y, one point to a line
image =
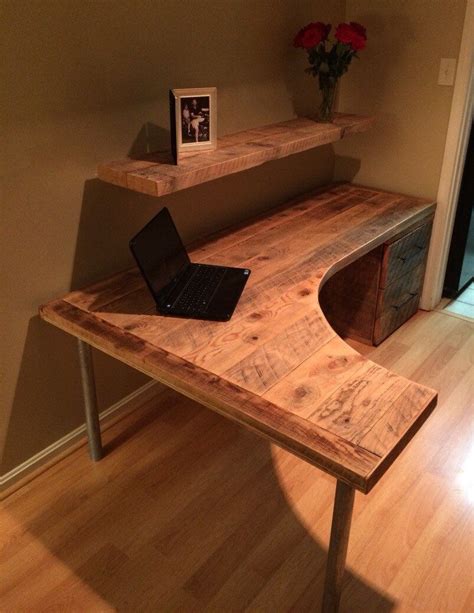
405	254
393	317
400	291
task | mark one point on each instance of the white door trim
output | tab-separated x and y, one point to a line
451	169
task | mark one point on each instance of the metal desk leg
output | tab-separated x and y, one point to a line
341	525
90	400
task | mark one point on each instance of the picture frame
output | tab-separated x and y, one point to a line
193	119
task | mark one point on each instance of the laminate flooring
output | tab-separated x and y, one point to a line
464	304
189	512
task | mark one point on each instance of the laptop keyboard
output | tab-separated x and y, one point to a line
200	289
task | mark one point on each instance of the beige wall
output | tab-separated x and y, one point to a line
396	79
84	82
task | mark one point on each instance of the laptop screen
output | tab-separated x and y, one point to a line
159	251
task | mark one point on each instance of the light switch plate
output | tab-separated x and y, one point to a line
447	71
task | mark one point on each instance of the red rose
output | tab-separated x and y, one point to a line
352	34
311	35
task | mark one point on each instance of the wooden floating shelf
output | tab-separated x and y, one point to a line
155	174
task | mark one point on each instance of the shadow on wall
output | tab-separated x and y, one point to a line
109	217
151	138
346	168
49	365
46	354
198	521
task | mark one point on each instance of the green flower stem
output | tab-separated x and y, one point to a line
328	92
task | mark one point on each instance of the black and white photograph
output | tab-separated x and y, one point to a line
193	120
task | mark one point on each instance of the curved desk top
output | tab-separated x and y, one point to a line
277	367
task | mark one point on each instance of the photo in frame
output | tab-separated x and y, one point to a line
193	118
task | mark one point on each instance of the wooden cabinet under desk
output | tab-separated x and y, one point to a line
372	297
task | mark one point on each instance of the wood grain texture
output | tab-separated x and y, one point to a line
156	175
277	367
405	254
394	295
393	316
77	537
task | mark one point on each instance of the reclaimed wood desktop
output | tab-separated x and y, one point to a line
277	367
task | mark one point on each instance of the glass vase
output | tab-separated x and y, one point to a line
327	87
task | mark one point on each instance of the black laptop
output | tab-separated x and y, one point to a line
179	287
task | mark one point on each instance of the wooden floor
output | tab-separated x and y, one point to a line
189	512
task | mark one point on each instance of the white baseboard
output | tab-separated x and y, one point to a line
137	398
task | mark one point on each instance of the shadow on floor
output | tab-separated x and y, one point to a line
185	513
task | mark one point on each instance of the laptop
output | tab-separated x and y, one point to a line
181	288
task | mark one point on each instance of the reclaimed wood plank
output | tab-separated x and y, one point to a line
155	175
105	291
400	290
354	408
277	367
274	359
396	420
317	377
334	455
187	336
405	254
394	316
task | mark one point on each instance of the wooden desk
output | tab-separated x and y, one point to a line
277	367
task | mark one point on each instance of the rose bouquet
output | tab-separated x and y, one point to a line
329	61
